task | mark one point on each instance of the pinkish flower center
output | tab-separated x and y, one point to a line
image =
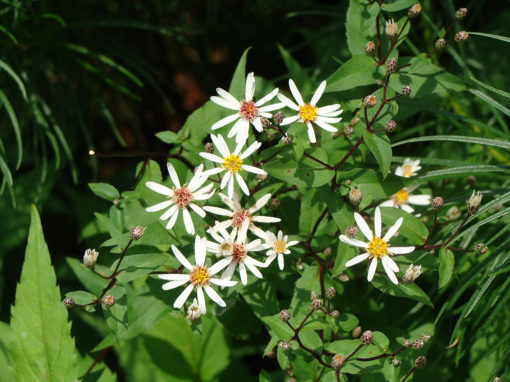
248	110
182	197
239	252
239	216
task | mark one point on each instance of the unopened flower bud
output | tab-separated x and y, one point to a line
327	251
367	337
331	293
420	362
496	379
406	91
284	315
390	126
370	48
355	196
116	202
209	147
90	258
136	233
313	296
270	135
287	140
337	362
335	314
461	36
370	101
265	122
261	177
473	203
437	203
68	302
406	343
284	345
354	121
317	304
391	30
348	130
275	203
425	338
343	277
411	274
440	43
481	248
194	311
108	301
453	213
351	231
278	118
395	362
418	344
356	332
414	11
461	13
391	66
471	180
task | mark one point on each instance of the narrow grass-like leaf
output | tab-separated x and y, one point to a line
494	36
15	125
492	89
490	101
45	349
55	17
15	77
456	138
487	220
8	33
5	170
111	122
461	171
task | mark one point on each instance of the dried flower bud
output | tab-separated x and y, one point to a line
194	311
354	121
351	231
418	344
440	43
425	338
367	337
317	304
461	36
437	203
356	332
271	353
108	301
136	233
270	135
391	66
327	251
370	101
406	91
481	248
473	203
68	302
414	11
348	130
461	13
406	343
313	296
411	274
355	196
335	314
90	258
370	48
284	345
453	213
331	293
275	203
420	362
390	126
261	177
278	118
265	122
209	147
284	315
395	362
287	140
391	30
343	277
471	180
116	202
337	362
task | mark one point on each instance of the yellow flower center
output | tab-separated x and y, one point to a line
279	246
225	247
182	197
399	198
232	163
377	247
407	170
199	276
307	113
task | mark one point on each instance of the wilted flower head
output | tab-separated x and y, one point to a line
90	258
473	203
370	48
411	274
391	30
194	311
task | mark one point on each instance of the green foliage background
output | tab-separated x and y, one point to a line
107	76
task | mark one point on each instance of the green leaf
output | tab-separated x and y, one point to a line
360	25
15	125
494	36
412	227
7	343
456	138
238	83
44	349
296	72
446	265
310	339
8	33
491	101
380	146
117	315
282	330
448	173
488	87
357	71
15	77
411	291
168	136
136	266
397	5
105	191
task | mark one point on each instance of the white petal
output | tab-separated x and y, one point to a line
249	87
230	191
228	97
188	223
221	145
218	211
252	246
265	219
170	212
175	284
407	208
201	299
258	125
329	109
253	169
215	296
354	242
174	276
420	200
257	231
267	98
400	250
261	202
225	179
218	266
328	119
213	171
371	269
250	150
295	93
276	106
288	102
392	264
377	222
270	260
212	158
200	250
281	262
242	273
242	184
387	203
393	229
200	212
195	183
159	188
225	121
289	120
178	254
326	126
357	259
389	272
363	226
223	283
183	296
173	175
253	269
222	102
203	196
318	93
227	274
159	206
172	220
241	131
311	133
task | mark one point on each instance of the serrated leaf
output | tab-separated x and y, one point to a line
380	146
44	349
105	191
446	265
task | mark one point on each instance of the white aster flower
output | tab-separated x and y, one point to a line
240	218
309	113
232	163
236	252
409	168
403	198
278	246
199	277
376	247
194	311
180	198
247	110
